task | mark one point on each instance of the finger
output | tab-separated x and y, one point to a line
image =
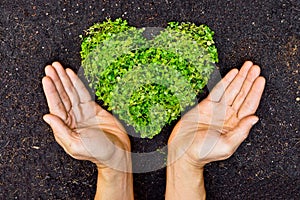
62	133
51	72
83	93
251	77
68	86
219	89
56	107
241	132
252	100
235	86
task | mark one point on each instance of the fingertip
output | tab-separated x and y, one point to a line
70	72
248	63
247	122
246	67
256	69
231	75
46	80
57	66
260	83
47	119
48	69
56	63
262	79
234	71
254	120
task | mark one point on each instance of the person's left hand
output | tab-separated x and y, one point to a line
215	128
84	129
212	131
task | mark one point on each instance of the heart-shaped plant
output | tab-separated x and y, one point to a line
146	81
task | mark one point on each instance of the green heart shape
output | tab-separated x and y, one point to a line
148	83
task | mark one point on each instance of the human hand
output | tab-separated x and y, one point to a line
212	131
84	129
215	128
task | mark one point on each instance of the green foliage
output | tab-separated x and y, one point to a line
148	82
100	32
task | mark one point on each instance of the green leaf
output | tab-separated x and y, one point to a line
148	83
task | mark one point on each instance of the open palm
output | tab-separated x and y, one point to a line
215	128
84	129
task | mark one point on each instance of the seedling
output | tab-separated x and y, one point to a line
148	82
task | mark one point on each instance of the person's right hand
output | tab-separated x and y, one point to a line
215	128
84	129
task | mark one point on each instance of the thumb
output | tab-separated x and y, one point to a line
62	132
241	132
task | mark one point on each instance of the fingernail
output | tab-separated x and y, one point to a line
255	121
46	119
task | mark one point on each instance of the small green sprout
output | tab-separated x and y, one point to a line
148	83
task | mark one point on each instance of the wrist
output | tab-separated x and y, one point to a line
120	161
184	181
114	185
115	179
110	176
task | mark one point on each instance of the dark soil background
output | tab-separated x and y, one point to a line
34	33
